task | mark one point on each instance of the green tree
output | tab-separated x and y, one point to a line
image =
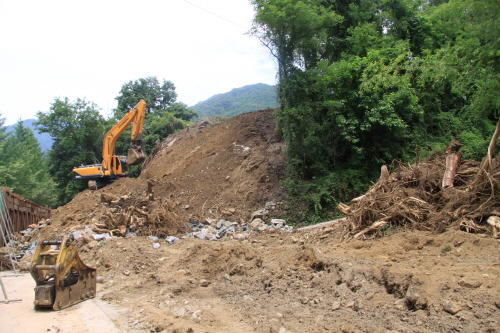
3	137
161	127
361	83
294	31
181	111
158	97
469	47
3	129
78	130
164	115
24	168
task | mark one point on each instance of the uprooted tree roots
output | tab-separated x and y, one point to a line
142	216
413	197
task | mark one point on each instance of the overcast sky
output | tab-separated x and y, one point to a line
89	49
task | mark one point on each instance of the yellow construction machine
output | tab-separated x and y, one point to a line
62	279
113	166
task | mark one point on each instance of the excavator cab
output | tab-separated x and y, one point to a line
123	162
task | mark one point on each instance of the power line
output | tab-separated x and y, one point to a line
223	18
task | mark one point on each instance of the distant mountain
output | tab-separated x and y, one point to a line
44	139
239	100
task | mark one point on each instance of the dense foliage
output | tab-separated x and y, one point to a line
43	139
365	82
23	167
78	130
164	115
239	100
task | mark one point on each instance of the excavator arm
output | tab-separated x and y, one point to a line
135	155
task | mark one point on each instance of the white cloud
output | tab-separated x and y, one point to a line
88	49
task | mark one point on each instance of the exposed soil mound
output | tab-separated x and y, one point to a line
211	170
303	282
225	170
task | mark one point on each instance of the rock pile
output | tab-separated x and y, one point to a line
213	229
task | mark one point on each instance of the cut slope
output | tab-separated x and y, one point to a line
213	170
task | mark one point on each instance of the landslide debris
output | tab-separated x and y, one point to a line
415	279
412	197
210	171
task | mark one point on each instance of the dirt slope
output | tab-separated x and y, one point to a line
304	281
226	170
236	164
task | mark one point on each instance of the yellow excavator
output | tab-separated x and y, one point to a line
113	166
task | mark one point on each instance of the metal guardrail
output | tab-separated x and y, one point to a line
17	213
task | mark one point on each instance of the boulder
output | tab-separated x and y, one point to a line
260	214
470	283
263	227
107	198
256	223
278	223
204	283
451	307
93	244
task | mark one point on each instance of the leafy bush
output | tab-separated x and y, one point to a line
315	200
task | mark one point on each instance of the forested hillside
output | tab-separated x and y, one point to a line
24	169
44	139
364	83
239	100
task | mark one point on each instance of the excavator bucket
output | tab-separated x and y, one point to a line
135	156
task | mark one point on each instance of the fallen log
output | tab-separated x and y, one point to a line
113	221
101	231
137	210
374	226
120	232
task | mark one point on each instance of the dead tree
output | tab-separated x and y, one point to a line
452	162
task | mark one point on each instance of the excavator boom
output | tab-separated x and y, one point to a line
135	116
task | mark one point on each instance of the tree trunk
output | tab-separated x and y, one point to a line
493	142
487	161
384	177
452	163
